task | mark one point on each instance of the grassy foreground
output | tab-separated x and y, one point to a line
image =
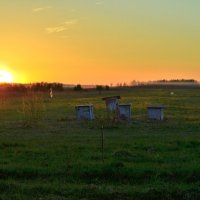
46	154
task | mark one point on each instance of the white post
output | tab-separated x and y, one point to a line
51	93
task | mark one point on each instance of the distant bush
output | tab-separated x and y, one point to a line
99	88
107	87
78	88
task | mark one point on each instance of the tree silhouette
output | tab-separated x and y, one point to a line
78	88
99	88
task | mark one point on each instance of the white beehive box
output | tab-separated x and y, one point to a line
112	103
156	112
125	112
84	112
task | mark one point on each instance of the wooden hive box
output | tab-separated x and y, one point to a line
84	112
156	112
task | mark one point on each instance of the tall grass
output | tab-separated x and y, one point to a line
33	108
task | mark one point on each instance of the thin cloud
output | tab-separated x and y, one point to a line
56	29
40	9
37	9
71	22
63	27
100	2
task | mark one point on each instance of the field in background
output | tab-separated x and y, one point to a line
46	154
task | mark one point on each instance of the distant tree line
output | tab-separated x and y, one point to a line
99	88
177	81
173	83
7	87
166	86
43	86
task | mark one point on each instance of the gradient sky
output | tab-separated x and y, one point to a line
100	41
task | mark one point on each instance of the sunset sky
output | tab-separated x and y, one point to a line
100	41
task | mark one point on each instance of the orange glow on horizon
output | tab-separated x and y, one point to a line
99	43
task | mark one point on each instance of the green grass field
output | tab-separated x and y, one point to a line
46	154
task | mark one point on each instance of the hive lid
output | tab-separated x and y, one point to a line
83	106
112	97
156	106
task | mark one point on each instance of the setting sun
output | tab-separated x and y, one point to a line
5	77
